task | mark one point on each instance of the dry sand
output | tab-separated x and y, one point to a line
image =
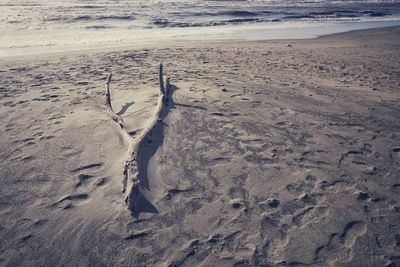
267	153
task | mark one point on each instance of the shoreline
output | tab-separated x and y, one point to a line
247	37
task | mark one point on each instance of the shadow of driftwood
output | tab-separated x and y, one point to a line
124	108
138	203
189	106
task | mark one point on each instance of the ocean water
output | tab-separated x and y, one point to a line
28	26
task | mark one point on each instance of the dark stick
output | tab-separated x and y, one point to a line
108	94
162	89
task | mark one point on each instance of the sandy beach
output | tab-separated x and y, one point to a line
267	153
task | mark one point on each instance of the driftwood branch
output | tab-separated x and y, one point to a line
131	180
115	117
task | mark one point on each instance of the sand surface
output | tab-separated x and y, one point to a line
266	153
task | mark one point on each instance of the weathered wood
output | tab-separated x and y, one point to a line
109	78
130	172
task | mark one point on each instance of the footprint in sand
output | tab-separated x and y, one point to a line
238	192
395	154
341	185
339	247
274	235
309	215
300	187
239	196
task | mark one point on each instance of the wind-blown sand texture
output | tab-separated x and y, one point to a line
267	153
